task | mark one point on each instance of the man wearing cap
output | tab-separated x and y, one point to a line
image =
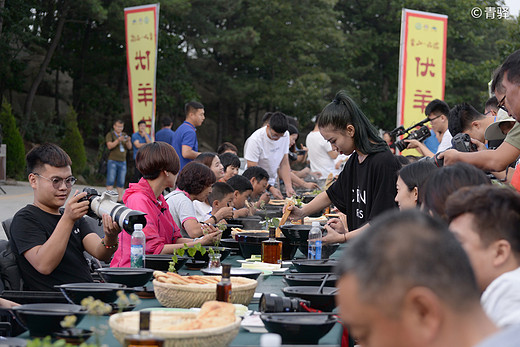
498	130
506	85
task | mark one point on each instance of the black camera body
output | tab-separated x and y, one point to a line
420	135
461	142
107	203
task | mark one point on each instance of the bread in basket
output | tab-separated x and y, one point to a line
194	295
215	325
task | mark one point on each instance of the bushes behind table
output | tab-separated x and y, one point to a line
72	143
15	165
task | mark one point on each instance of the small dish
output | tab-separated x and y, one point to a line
193	264
74	336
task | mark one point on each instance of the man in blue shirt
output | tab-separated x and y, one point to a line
185	139
139	139
166	133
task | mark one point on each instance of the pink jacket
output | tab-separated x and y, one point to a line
160	228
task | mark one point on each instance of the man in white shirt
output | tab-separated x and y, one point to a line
320	153
485	219
268	147
437	112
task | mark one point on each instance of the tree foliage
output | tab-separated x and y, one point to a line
72	142
240	58
15	163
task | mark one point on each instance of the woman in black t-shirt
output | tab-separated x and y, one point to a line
366	186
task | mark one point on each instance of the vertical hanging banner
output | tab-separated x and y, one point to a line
422	64
141	28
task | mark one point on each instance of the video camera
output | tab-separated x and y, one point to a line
420	134
272	304
461	142
107	203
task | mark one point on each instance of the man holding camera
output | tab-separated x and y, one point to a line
49	245
437	112
118	143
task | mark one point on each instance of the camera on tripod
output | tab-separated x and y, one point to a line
107	203
420	134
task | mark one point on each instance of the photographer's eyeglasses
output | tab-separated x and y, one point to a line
58	181
434	118
502	103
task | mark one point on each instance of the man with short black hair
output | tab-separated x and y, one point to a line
139	139
166	133
185	139
437	112
407	282
464	118
485	219
268	147
49	245
118	143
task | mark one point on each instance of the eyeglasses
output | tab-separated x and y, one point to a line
274	135
58	181
502	103
432	119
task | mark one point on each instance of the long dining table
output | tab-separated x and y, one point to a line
273	284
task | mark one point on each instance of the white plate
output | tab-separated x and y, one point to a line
254	324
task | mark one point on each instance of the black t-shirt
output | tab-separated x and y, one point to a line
364	190
32	227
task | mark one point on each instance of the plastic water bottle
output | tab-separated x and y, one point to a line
270	340
137	246
315	241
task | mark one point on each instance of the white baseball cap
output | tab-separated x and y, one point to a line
493	131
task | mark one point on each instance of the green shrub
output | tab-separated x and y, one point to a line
72	143
15	165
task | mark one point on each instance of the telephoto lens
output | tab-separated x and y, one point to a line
272	304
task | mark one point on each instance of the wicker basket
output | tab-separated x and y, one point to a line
126	323
194	295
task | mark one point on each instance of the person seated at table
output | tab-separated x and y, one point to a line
485	220
242	191
211	160
159	164
193	184
259	179
231	164
220	198
49	245
406	281
411	181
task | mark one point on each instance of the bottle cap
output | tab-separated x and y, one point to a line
138	227
226	270
316	224
271	340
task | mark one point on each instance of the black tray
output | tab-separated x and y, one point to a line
34	297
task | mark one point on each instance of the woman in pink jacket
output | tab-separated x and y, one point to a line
159	164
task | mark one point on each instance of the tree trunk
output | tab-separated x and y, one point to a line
43	67
56	94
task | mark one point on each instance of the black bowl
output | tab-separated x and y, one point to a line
45	319
270	212
129	276
229	243
299	235
316	266
299	328
224	252
321	301
161	262
74	336
235	271
248	223
310	279
193	264
251	243
227	232
106	292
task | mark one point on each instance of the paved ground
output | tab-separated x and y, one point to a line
18	195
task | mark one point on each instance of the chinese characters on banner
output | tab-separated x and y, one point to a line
141	27
422	64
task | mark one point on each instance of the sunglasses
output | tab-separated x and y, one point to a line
58	181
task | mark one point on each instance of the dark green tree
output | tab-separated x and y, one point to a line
72	142
15	165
